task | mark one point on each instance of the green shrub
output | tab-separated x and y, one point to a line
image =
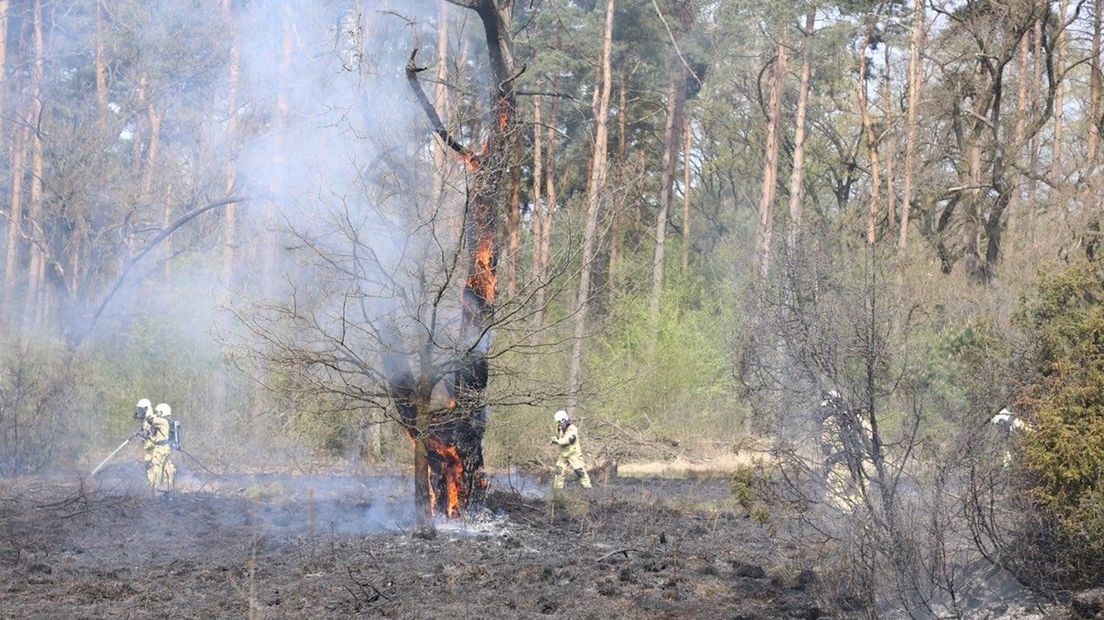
1064	399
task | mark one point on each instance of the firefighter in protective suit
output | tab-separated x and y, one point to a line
156	428
571	453
845	446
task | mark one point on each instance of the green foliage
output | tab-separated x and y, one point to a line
679	387
1065	399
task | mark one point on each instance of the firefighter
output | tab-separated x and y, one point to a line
844	444
156	429
571	453
1009	428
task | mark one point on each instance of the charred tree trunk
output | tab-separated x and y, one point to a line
594	198
454	440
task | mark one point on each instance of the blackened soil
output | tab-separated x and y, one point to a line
633	549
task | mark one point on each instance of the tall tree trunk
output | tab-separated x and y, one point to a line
537	220
1095	87
101	67
687	145
36	265
270	262
1060	57
544	248
676	94
1037	62
871	140
797	175
441	101
617	226
4	6
770	162
890	154
598	170
1022	99
15	219
915	69
230	229
513	221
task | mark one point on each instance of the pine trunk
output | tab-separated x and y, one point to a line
687	145
230	230
915	69
770	162
597	185
676	92
797	175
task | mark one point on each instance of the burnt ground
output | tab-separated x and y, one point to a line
336	547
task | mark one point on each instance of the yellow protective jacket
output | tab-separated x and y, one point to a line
568	441
155	429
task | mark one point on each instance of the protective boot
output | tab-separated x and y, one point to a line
584	479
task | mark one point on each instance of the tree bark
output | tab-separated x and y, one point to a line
617	226
687	145
598	171
915	69
770	162
1095	87
797	175
36	265
676	95
871	140
101	68
544	247
537	221
441	101
15	219
890	155
1061	47
230	229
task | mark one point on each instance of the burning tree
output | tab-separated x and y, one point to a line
448	449
410	333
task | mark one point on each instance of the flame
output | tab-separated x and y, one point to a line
482	281
453	472
503	118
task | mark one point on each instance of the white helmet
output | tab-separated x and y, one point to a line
164	410
143	409
560	417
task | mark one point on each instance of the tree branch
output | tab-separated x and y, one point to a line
439	128
161	236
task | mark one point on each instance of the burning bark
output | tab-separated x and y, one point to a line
449	440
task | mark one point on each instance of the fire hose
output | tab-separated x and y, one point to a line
110	456
124	444
198	462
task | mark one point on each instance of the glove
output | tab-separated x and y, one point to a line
553	442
